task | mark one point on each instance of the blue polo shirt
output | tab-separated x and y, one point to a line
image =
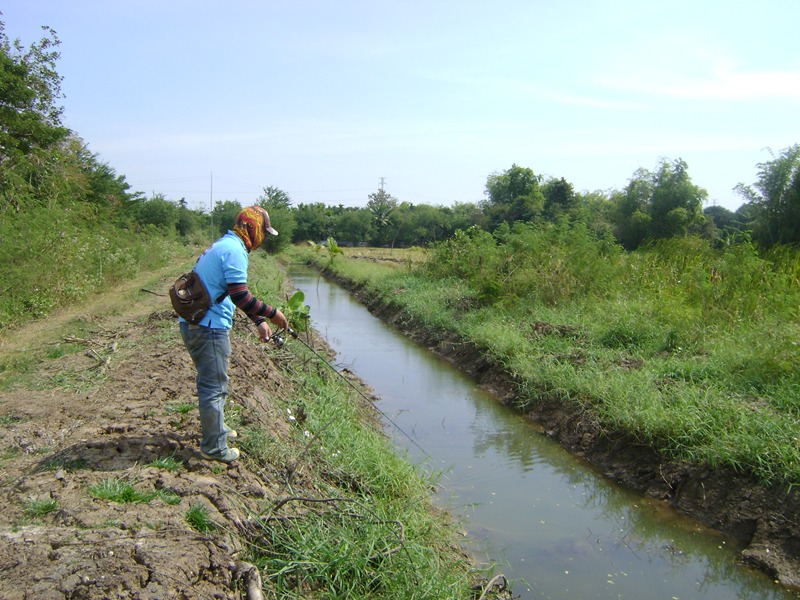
224	262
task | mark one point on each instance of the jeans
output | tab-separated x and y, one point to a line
210	350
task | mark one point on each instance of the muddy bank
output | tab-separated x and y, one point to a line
766	519
120	410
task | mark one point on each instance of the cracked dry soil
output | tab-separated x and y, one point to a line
103	413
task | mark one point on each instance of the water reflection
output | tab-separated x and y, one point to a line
543	516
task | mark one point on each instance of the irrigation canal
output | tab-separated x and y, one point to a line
554	526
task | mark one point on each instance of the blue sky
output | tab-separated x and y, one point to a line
216	100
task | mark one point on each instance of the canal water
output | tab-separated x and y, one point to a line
547	521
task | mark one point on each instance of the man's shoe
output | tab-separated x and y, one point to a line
231	455
232	434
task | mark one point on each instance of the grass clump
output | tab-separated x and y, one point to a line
181	408
168	463
199	519
40	508
120	491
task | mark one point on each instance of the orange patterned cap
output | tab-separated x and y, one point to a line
252	226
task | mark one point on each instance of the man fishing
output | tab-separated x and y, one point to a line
223	269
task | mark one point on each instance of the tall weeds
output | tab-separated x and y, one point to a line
689	347
57	256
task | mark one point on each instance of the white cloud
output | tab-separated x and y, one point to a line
719	85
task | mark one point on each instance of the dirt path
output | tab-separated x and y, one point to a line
101	416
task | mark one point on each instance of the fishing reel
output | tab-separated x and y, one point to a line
279	338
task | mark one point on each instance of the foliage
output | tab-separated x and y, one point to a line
120	491
685	345
168	463
39	508
367	532
199	519
159	212
381	204
659	204
314	222
775	198
513	195
77	248
30	117
333	248
296	312
278	204
224	215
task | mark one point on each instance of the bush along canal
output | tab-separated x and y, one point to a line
549	521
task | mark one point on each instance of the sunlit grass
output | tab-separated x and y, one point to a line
180	407
167	463
40	508
703	368
122	491
199	519
380	535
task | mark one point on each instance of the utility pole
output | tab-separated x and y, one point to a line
383	180
211	207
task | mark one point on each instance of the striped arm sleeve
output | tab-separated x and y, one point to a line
257	310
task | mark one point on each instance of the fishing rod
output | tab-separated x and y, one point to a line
280	341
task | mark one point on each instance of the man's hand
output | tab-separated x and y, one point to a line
280	320
264	332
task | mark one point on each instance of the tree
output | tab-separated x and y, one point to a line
159	212
381	205
30	121
465	215
559	198
513	195
279	206
726	223
775	199
30	117
314	222
275	198
659	204
188	221
676	203
224	215
353	225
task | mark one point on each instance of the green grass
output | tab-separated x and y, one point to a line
702	368
10	420
380	538
40	508
180	407
168	463
124	492
198	518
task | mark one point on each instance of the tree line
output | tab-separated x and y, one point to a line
654	205
42	163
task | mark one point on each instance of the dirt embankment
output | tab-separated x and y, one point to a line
101	418
119	408
765	518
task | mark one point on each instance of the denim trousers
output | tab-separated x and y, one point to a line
210	350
